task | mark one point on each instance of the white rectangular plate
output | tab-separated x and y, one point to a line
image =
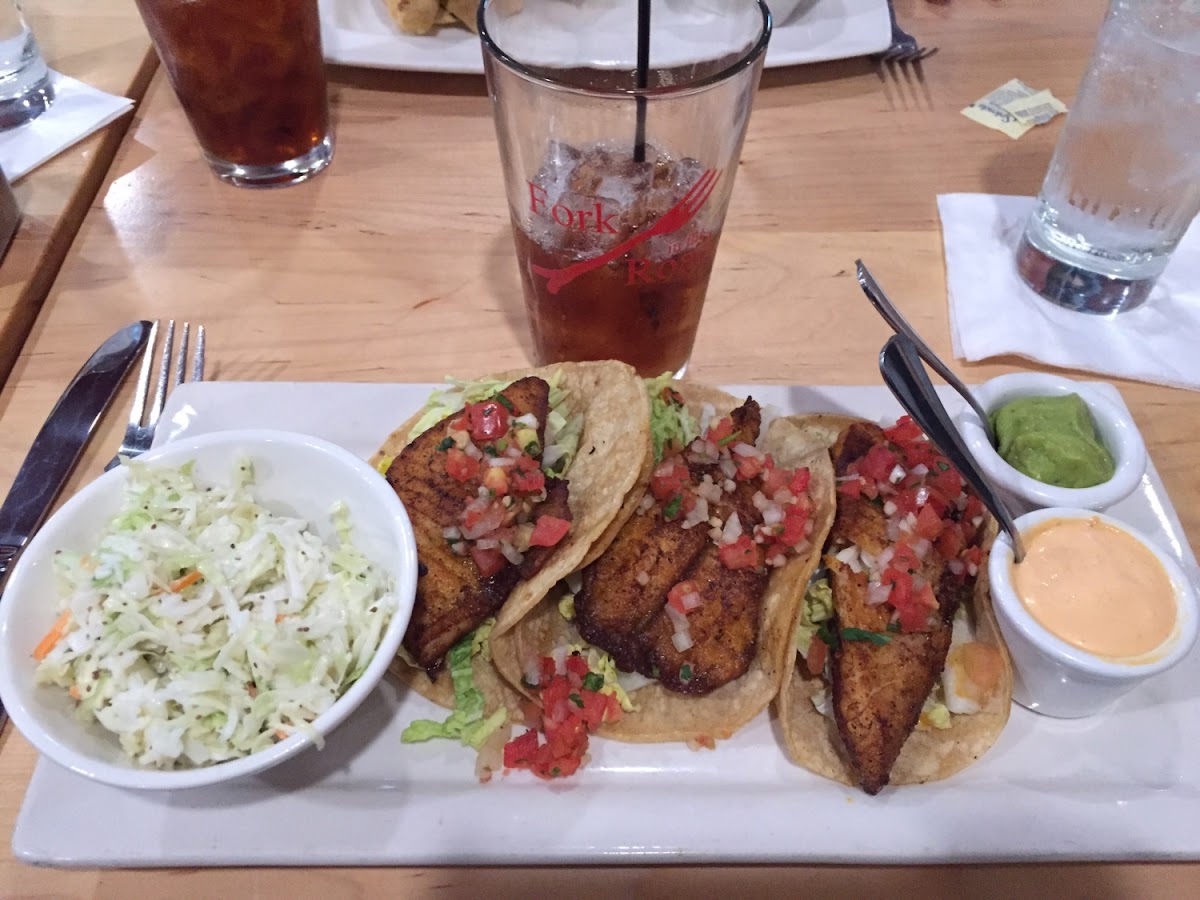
1123	785
361	33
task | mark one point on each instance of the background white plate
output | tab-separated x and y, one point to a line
361	33
1123	785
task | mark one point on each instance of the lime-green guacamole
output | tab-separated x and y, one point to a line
1054	440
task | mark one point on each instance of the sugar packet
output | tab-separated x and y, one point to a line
1014	108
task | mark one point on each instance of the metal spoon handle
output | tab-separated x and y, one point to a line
900	325
900	365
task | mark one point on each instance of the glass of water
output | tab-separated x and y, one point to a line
26	89
1124	183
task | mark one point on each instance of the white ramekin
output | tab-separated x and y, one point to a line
1056	678
1114	425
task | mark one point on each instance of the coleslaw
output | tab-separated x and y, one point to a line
203	627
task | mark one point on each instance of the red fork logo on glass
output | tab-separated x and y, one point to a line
671	221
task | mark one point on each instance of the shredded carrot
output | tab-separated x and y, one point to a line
53	636
74	692
252	691
281	734
279	618
184	581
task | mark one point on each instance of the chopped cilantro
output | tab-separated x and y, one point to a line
893	627
593	682
502	444
729	439
505	402
671	510
490	450
576	699
943	466
685	673
861	634
446	444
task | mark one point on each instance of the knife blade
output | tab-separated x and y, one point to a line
58	445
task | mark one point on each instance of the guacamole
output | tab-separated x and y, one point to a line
1054	440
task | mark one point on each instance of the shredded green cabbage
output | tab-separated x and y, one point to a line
818	608
606	667
467	723
935	714
670	422
203	627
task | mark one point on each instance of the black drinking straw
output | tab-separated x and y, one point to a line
643	79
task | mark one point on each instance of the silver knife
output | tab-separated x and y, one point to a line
58	445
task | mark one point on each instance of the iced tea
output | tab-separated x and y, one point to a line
251	77
615	255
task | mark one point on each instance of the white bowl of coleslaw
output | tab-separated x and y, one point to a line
207	611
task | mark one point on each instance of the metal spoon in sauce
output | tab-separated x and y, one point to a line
900	365
900	325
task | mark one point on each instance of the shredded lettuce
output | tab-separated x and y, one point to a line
935	714
566	607
670	422
449	401
818	608
202	627
467	723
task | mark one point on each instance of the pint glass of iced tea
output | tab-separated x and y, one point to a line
618	174
251	77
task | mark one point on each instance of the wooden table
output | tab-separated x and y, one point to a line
104	44
397	264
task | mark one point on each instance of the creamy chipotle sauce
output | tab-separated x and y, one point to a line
1096	587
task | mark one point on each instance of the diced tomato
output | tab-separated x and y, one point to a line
922	453
800	479
878	464
741	554
678	592
669	478
520	750
548	531
577	666
904	431
851	488
547	669
458	423
905	559
481	518
818	650
459	466
950	542
929	523
569	738
949	482
526	477
595	705
719	430
748	466
614	711
489	562
496	481
901	582
794	521
775	479
913	617
973	556
906	501
487	420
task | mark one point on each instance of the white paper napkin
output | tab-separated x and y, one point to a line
993	312
77	111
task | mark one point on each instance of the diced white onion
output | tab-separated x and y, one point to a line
956	566
679	621
709	491
732	530
897	474
759	500
707	413
643	578
890	508
529	420
533	672
487	544
452	533
559	655
644	506
682	640
513	451
877	593
728	467
552	455
921	547
728	487
922	495
511	553
743	449
689	601
472	451
698	514
783	497
850	556
772	515
501	462
920	469
885	558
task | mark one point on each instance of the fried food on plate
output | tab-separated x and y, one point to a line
422	16
899	674
686	615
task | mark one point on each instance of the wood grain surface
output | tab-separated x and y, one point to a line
396	264
104	44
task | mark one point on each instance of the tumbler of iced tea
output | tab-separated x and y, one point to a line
251	78
618	175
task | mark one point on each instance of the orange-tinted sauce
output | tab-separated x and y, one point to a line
1096	587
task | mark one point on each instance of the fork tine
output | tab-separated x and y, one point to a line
701	183
164	369
181	356
198	357
700	199
142	391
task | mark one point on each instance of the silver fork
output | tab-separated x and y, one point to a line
904	48
903	61
138	436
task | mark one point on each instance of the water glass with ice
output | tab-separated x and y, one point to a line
1124	183
26	88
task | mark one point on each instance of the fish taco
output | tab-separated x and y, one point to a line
898	671
508	480
685	618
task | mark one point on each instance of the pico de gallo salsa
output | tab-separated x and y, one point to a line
498	451
928	510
